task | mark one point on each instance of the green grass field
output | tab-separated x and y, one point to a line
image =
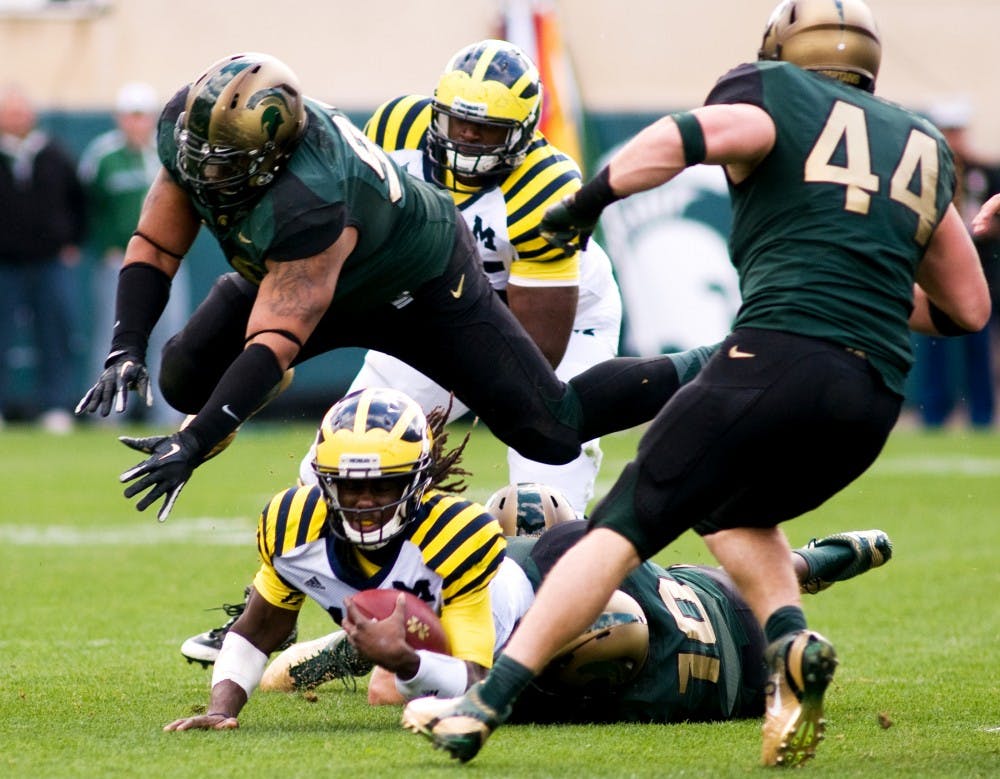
96	599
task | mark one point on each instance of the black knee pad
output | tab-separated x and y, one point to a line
183	385
623	392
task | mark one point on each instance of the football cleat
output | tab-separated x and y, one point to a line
460	726
871	549
802	666
204	648
307	665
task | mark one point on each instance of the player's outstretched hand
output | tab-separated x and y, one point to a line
213	721
172	459
564	227
123	371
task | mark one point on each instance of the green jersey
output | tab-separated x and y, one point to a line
830	227
694	670
116	178
335	178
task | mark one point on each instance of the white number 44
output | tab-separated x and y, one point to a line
847	124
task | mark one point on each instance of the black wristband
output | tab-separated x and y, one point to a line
594	196
237	396
143	291
943	323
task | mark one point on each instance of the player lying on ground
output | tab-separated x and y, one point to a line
645	624
689	612
381	516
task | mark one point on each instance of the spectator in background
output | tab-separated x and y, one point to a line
117	169
958	371
43	218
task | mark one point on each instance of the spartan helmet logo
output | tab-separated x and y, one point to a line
272	118
529	508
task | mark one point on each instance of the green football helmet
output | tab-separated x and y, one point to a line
241	121
529	509
837	38
606	656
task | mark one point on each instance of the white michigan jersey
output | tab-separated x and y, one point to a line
451	556
504	222
504	218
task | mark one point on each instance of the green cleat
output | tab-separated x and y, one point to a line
460	726
306	666
802	667
869	549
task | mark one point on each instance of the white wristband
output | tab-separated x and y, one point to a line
440	675
239	661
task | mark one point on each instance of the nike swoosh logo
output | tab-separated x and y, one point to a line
736	354
457	292
243	239
174	449
774	695
227	410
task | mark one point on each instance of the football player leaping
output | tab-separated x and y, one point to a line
477	138
332	245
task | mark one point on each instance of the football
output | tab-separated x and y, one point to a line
423	628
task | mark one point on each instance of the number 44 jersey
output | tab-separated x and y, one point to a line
829	228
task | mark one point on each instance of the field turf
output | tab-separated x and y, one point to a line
96	599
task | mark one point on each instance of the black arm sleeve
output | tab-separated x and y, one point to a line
944	323
239	393
142	295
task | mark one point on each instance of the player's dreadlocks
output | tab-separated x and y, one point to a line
446	464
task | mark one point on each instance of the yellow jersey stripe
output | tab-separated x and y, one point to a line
461	542
400	123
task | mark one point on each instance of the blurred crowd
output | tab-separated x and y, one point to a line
66	223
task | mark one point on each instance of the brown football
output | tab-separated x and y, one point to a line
423	628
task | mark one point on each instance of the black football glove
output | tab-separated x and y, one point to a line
123	371
171	462
564	227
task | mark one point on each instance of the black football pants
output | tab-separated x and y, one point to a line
457	331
